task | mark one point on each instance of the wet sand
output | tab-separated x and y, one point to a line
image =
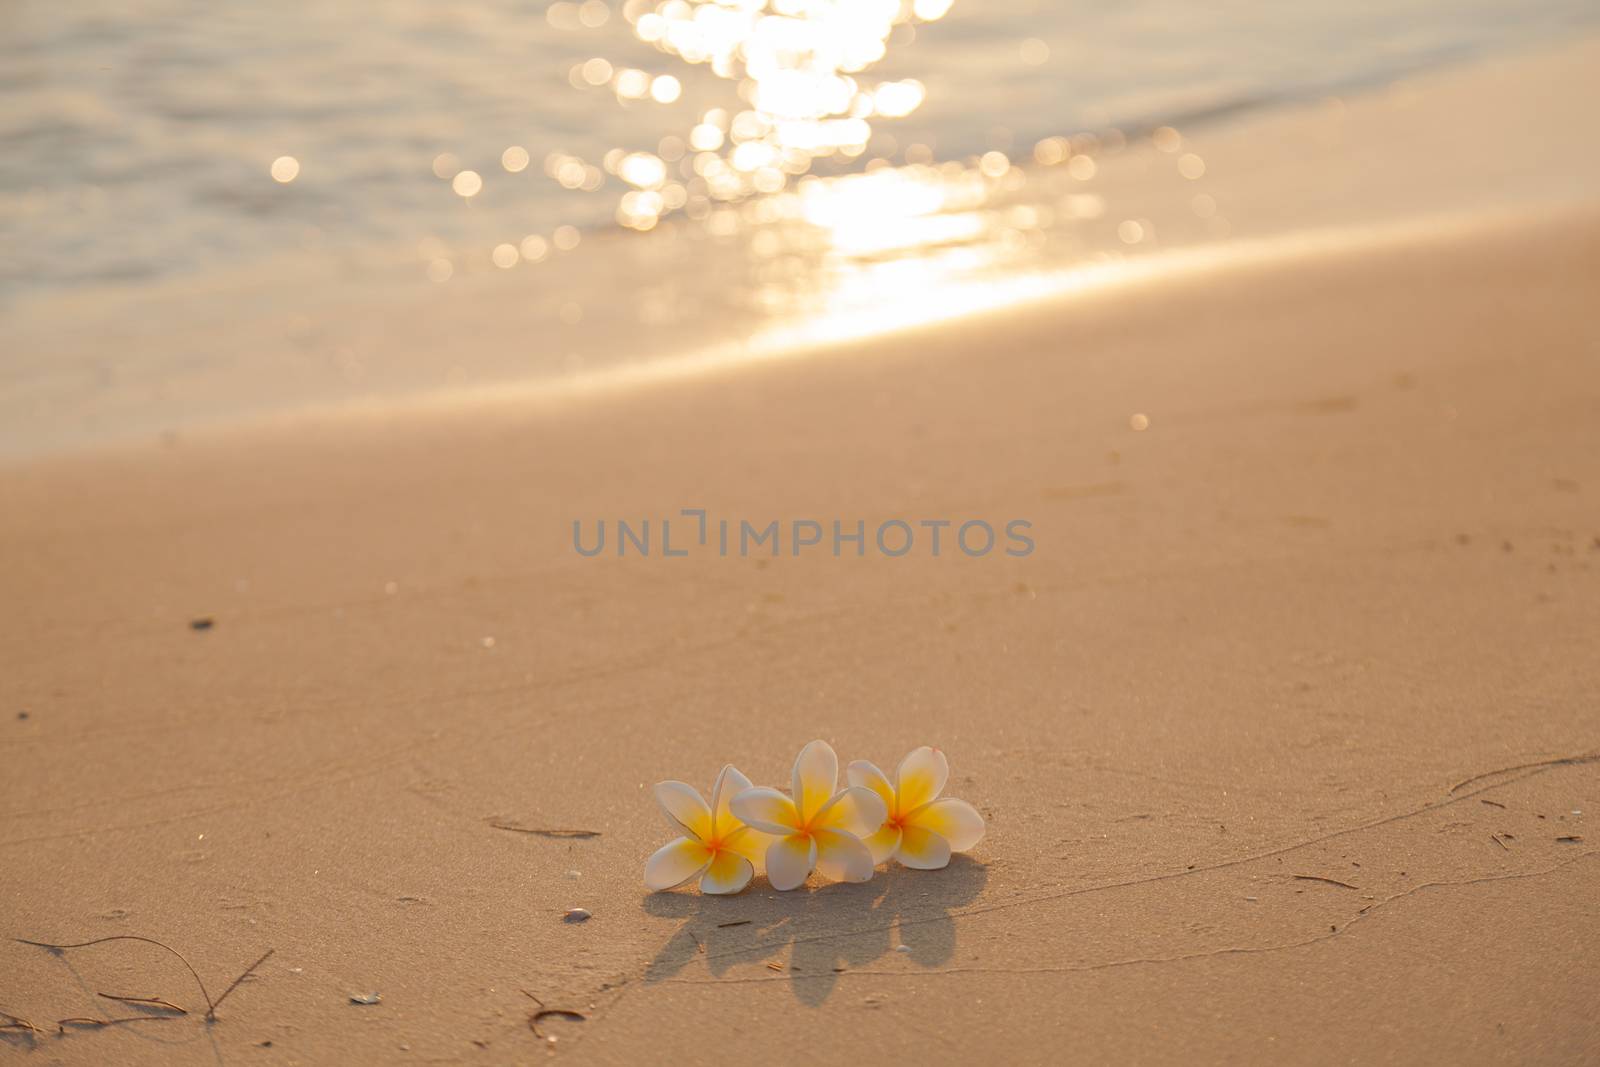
1234	723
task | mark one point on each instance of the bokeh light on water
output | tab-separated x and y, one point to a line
816	166
146	140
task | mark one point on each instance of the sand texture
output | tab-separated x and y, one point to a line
1235	723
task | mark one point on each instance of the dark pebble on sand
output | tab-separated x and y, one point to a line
202	624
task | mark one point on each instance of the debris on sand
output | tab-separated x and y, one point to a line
576	915
146	1002
540	831
205	622
550	1013
553	1013
81	1021
18	1023
366	998
211	1004
1329	881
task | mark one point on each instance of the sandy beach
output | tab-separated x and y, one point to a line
1286	731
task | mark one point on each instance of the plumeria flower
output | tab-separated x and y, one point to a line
818	829
716	846
920	830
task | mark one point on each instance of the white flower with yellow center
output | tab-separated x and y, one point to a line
919	829
816	827
716	846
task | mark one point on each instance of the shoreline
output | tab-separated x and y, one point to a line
1378	160
1058	293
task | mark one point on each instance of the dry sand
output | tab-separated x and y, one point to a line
1218	720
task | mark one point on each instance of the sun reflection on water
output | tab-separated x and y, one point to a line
768	148
799	70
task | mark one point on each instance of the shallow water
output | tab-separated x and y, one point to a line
141	141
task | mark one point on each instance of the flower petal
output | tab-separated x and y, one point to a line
789	861
866	773
730	783
675	863
767	810
728	873
954	820
750	843
842	857
856	810
816	773
920	778
882	844
922	849
684	808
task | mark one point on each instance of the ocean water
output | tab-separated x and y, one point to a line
142	141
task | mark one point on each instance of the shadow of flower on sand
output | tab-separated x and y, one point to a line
829	930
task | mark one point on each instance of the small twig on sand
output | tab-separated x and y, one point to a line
211	1005
18	1023
1491	803
541	831
1564	761
248	971
553	1013
62	1024
146	1002
1330	881
736	922
549	1013
133	937
1496	839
